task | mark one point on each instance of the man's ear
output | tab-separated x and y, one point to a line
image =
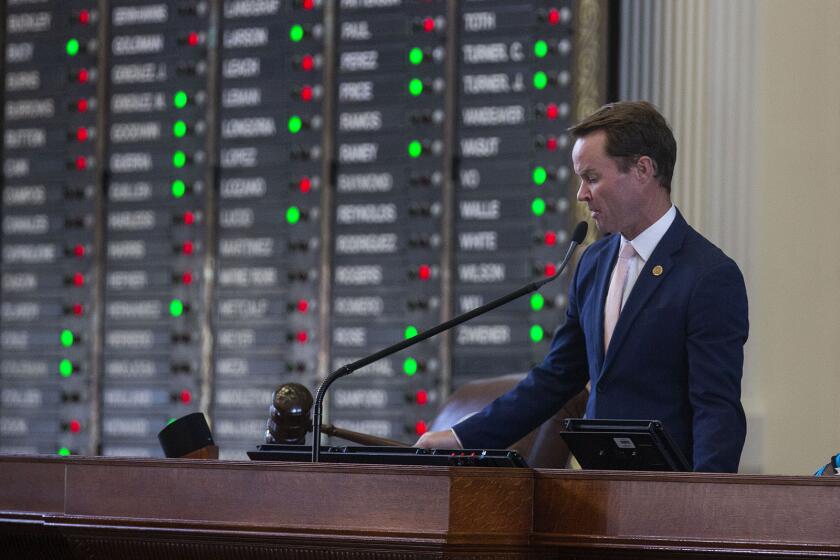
645	169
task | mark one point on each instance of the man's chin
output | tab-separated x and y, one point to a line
603	227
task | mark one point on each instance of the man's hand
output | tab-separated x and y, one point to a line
443	439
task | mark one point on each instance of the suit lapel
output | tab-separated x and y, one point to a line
645	286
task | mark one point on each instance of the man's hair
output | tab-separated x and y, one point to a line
634	129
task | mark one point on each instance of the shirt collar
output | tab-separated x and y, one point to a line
646	242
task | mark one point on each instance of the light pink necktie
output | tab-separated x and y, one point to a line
615	295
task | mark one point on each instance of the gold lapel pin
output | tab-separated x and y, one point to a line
658	270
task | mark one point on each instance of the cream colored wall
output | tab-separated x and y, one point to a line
752	90
795	284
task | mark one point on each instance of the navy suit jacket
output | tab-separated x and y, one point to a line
676	354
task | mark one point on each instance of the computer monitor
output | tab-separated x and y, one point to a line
630	445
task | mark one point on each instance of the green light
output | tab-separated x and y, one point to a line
538	206
176	307
540	49
179	159
179	188
72	47
415	56
540	80
410	366
537	302
64	452
65	368
415	148
536	333
180	99
293	215
67	338
415	87
179	129
295	124
410	332
539	175
170	421
296	33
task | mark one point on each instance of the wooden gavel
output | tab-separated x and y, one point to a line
290	418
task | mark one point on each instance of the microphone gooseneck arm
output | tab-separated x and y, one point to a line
577	237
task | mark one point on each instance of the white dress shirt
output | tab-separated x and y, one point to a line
644	244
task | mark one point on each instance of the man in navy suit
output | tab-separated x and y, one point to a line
657	315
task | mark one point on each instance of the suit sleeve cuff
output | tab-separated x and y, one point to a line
457	439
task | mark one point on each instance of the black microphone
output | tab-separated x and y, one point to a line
578	236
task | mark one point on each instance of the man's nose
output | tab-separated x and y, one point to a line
583	193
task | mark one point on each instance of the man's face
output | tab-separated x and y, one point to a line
614	198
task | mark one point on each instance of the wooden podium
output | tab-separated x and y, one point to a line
124	509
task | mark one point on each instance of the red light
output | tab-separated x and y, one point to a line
189	218
79	250
78	309
550	269
302	337
553	16
308	4
551	111
420	428
192	39
305	185
187	247
81	134
82	76
186	278
550	238
78	279
307	62
306	93
84	17
81	163
422	397
428	25
551	143
424	272
185	396
75	426
82	105
302	306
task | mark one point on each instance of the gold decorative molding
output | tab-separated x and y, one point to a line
590	73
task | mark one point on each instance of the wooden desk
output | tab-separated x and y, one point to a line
159	509
679	515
